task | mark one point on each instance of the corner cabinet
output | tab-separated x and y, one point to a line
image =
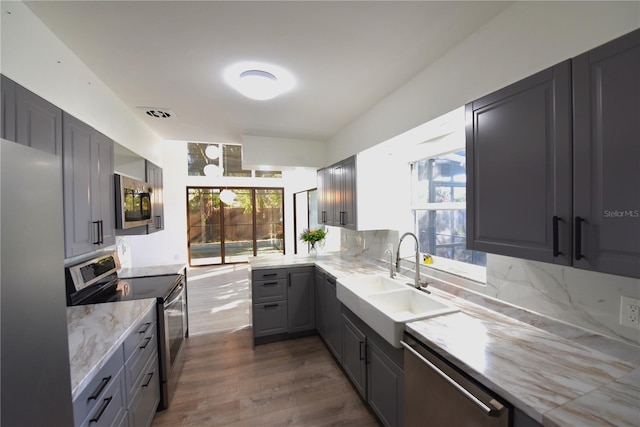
89	205
283	303
551	160
154	178
337	194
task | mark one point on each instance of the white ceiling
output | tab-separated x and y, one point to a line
346	56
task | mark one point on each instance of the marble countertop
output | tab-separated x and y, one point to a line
155	270
558	374
95	332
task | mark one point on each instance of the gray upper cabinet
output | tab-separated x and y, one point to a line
30	120
519	168
606	90
553	164
337	194
154	178
38	122
8	109
89	209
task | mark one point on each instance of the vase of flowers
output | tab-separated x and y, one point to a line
313	238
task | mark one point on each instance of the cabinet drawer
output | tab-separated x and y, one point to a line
144	403
110	406
272	274
269	318
139	334
269	290
90	396
134	367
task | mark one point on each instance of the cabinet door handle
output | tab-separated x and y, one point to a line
147	341
97	224
332	281
145	329
362	353
269	275
324	216
103	408
270	305
556	249
269	283
158	221
578	238
148	380
101	232
101	387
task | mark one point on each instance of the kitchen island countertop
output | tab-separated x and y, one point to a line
557	374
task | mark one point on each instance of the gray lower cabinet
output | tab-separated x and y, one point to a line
550	160
126	391
354	349
154	178
385	386
103	401
301	313
89	198
375	369
283	303
320	304
333	317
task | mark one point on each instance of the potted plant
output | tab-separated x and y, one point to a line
313	236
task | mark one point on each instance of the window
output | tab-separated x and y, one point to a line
439	207
221	160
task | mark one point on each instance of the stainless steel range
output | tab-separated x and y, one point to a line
96	281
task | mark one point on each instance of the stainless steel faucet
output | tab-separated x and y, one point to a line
389	251
417	277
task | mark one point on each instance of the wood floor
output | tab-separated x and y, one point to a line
227	383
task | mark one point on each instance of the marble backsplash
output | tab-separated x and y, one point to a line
578	297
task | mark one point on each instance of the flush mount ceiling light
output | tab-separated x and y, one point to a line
259	81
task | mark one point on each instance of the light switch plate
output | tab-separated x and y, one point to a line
630	312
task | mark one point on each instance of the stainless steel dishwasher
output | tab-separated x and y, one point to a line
438	395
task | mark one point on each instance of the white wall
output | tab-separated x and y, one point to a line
34	57
282	152
527	37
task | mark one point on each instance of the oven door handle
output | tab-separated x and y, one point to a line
175	295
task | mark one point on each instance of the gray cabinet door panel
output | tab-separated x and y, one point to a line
269	318
385	382
518	168
348	190
606	84
8	109
155	180
333	317
38	122
320	308
103	201
301	300
79	230
354	349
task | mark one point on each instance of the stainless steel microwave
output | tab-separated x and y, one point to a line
133	202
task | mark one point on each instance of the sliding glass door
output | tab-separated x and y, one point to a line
230	225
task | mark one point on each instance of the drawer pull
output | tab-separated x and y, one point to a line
103	408
100	388
146	343
269	283
270	305
269	274
145	329
148	380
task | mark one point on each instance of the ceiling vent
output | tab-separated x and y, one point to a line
159	113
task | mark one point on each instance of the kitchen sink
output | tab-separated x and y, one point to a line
386	304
